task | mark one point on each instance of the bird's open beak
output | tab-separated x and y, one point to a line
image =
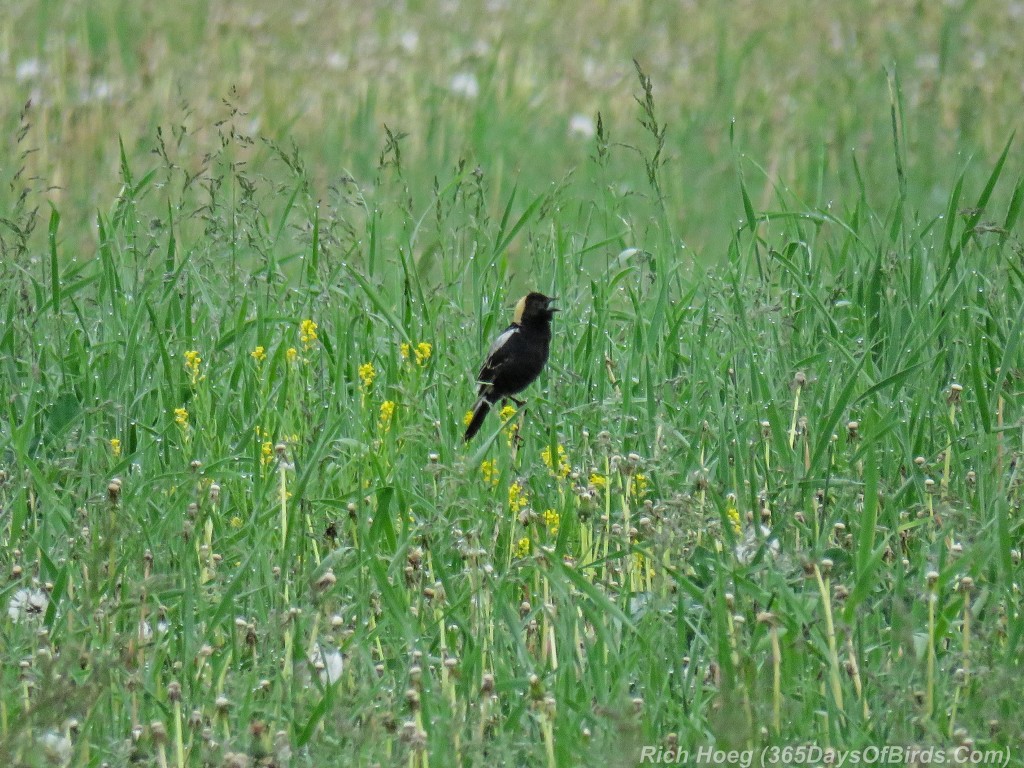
553	309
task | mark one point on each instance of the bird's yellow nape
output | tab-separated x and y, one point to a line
517	318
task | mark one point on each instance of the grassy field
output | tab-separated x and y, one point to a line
767	494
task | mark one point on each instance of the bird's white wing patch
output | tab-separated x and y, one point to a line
502	340
499	342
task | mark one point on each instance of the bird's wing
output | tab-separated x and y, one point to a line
498	353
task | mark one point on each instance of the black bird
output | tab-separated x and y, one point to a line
516	358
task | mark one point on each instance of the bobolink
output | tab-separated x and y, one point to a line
516	358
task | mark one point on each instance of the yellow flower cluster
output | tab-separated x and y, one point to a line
387	411
263	437
517	497
259	354
551	521
367	373
733	513
489	471
192	363
522	547
115	447
307	333
421	352
559	467
639	484
181	417
598	481
291	354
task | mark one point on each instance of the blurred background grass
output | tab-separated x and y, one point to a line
515	90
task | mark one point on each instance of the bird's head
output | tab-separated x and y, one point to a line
534	307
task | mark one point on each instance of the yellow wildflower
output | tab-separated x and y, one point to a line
517	497
506	412
551	521
522	548
266	452
489	471
559	468
387	411
181	417
733	513
405	349
598	481
192	362
307	333
291	354
259	354
115	447
367	373
423	351
468	417
639	484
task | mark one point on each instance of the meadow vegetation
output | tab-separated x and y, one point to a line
766	494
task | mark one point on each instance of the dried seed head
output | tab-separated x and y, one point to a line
257	728
412	699
174	691
852	431
408	731
536	688
487	684
327	580
954	394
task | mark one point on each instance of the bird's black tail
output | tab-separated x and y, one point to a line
480	411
